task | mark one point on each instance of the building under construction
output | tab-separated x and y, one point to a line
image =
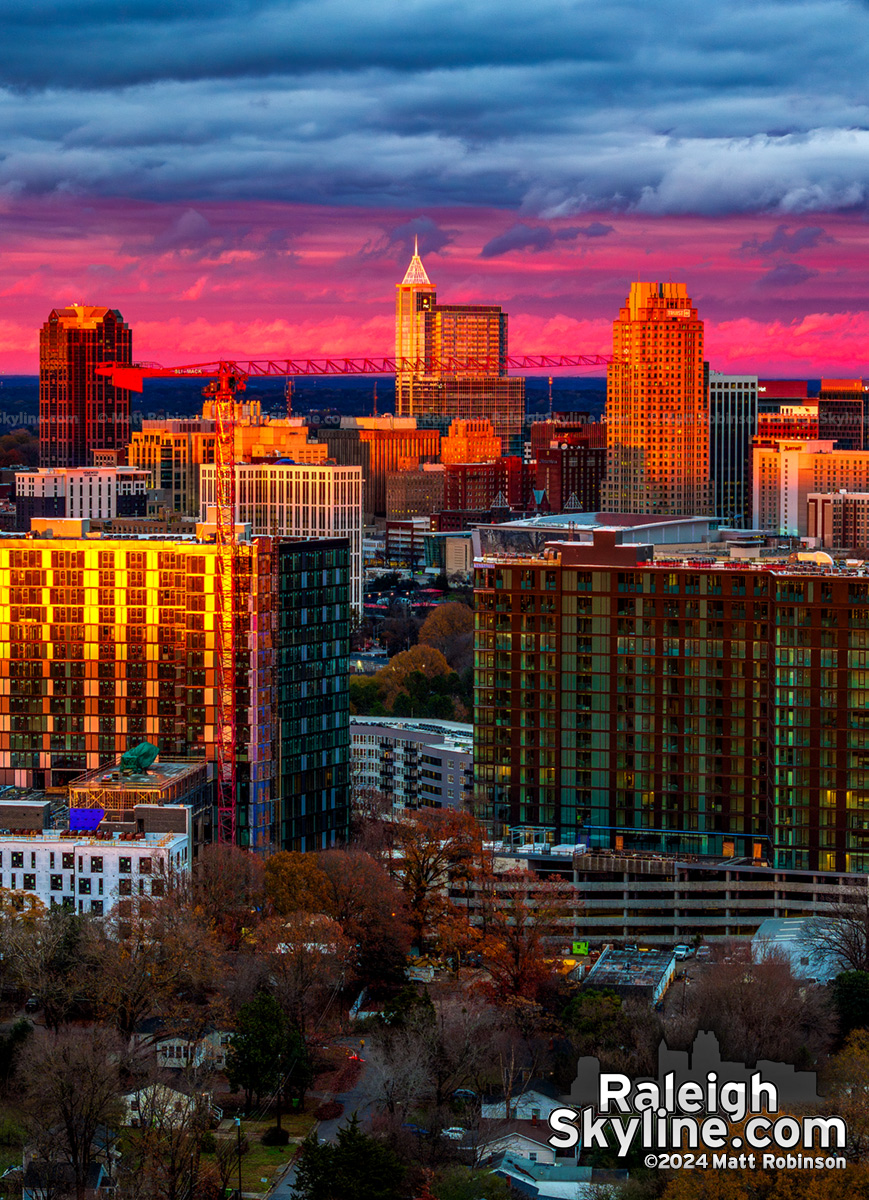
105	643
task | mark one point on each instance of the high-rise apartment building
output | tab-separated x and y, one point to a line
785	473
638	705
293	500
434	335
107	643
657	409
312	647
732	425
81	413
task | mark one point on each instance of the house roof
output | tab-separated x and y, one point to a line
38	1174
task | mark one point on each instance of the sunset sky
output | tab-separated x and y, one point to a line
246	178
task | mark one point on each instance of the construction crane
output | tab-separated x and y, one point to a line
227	377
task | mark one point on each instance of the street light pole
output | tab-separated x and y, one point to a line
238	1133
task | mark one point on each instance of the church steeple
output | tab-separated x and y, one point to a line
415	275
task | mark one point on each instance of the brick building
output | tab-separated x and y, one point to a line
701	710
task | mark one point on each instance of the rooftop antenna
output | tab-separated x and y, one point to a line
288	396
550	397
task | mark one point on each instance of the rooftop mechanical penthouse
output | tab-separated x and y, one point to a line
709	710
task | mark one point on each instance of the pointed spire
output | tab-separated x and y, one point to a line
415	274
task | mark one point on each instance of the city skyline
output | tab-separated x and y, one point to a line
781	296
249	182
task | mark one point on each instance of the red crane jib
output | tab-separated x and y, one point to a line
131	376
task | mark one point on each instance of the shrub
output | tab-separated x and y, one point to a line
275	1137
208	1142
329	1110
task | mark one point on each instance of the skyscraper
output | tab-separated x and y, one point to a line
657	407
80	412
434	335
732	424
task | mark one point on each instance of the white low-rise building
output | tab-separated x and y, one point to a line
89	874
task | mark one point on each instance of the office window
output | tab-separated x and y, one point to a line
56	883
125	866
96	864
30	883
84	887
68	862
17	858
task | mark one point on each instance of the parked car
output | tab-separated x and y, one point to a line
33	1004
415	1129
704	953
455	1133
683	951
465	1095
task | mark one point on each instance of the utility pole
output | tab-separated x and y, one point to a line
238	1133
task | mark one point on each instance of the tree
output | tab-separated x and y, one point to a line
163	1147
841	934
307	956
760	1010
295	882
257	1048
460	1183
435	847
450	629
153	957
72	1088
228	888
357	1166
46	956
424	659
372	828
267	1054
530	913
851	998
371	910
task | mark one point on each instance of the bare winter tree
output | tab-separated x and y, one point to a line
842	933
72	1088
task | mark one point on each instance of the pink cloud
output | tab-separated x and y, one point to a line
265	278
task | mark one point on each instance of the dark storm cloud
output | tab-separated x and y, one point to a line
528	237
787	275
555	109
782	242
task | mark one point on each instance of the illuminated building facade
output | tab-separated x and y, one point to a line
173	452
81	413
715	710
104	644
732	425
470	441
785	473
297	501
475	487
657	411
380	446
432	335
